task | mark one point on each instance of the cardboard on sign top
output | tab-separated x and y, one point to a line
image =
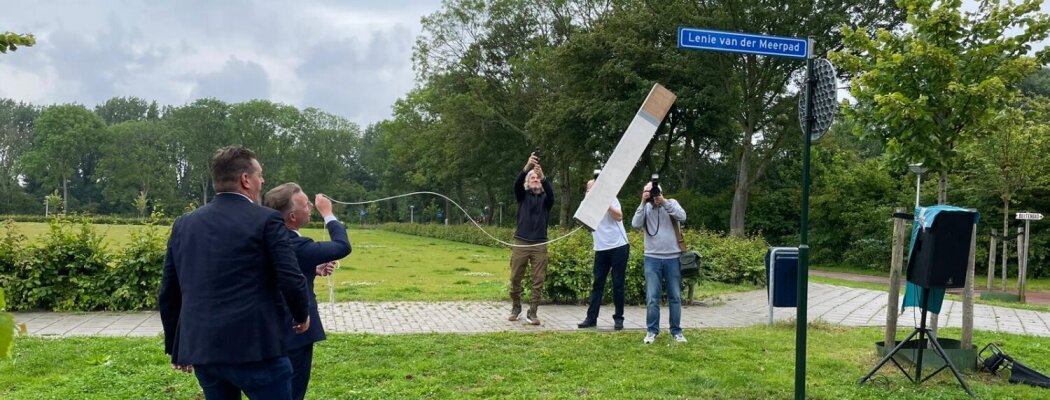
630	148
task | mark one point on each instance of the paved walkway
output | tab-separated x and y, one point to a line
833	304
1031	296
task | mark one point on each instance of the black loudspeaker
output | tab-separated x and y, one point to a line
942	251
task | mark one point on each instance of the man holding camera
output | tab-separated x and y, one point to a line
655	215
535	200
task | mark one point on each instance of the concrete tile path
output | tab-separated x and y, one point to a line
833	304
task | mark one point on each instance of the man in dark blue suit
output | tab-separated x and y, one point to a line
230	277
315	258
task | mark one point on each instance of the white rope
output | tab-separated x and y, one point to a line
464	213
331	281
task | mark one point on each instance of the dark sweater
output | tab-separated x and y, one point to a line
533	210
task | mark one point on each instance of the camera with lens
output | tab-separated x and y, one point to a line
654	192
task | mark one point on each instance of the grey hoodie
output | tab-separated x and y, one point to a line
664	244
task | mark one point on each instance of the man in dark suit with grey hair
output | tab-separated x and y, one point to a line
315	259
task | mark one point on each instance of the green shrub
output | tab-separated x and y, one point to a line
65	270
134	279
93	219
7	329
11	246
465	233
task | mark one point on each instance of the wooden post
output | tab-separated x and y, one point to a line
1006	256
1024	273
1020	256
896	264
967	319
991	261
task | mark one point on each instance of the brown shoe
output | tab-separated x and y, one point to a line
531	319
514	313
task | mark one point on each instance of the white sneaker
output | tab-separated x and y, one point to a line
649	338
680	338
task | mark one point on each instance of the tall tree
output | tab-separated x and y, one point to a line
924	90
66	135
269	129
123	109
9	41
16	137
138	158
202	127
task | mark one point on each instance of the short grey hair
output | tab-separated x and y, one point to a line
280	197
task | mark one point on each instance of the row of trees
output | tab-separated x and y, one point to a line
498	78
128	154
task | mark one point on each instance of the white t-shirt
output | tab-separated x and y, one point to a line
610	233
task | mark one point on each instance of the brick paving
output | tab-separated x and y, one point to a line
833	304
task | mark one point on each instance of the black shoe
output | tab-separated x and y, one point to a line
587	323
618	324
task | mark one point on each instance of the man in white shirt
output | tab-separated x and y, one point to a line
611	251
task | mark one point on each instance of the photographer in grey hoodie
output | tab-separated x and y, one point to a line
654	216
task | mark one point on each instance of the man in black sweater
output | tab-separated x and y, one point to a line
535	199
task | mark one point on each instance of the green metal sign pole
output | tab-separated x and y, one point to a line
801	321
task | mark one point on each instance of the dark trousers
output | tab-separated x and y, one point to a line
259	380
302	363
604	261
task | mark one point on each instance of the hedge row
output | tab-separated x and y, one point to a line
70	269
93	219
726	259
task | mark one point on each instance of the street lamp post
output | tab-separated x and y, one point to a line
501	213
412	214
918	169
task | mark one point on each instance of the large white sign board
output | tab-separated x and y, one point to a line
625	156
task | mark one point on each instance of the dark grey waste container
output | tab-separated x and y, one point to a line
783	285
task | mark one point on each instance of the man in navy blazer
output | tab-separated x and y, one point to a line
230	276
315	258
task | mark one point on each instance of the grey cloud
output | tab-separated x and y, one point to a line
237	81
358	79
89	52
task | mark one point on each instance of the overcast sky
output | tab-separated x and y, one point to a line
350	58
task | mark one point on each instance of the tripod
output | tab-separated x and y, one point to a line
923	332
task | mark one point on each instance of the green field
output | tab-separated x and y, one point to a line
740	363
388	266
115	236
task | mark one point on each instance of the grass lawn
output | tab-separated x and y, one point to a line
115	236
740	363
388	266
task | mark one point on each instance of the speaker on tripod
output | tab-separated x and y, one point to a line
939	258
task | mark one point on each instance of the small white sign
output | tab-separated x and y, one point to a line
1029	216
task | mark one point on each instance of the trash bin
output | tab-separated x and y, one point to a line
782	278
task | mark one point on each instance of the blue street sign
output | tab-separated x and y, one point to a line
705	39
362	212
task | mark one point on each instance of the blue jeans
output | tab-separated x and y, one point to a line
259	380
659	272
